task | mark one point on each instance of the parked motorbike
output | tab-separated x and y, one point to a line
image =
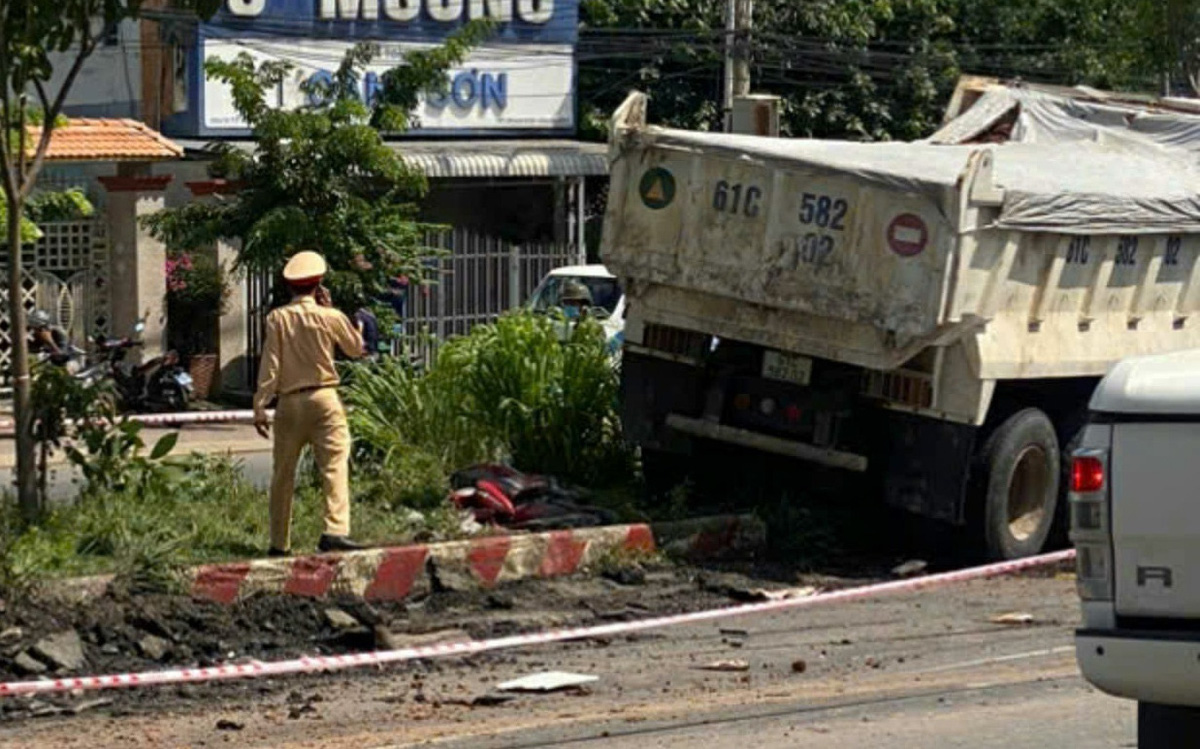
158	384
50	345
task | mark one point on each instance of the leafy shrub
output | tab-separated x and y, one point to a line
513	386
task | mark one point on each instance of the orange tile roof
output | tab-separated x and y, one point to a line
108	140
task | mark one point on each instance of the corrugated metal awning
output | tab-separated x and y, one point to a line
487	159
497	159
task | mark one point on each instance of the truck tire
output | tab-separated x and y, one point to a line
1166	726
1020	495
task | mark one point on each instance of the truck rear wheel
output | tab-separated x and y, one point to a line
1021	460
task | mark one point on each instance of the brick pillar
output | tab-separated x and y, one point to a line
232	341
139	284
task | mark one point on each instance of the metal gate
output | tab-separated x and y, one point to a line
67	274
474	279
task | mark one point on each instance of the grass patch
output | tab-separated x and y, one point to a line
211	514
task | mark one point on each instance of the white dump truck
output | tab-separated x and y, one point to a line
1136	529
935	315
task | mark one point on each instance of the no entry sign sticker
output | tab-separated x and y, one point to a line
907	235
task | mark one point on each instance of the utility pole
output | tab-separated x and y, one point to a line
741	63
727	92
738	22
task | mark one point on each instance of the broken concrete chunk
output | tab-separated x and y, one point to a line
90	705
549	681
910	568
63	650
26	664
387	640
340	620
1014	618
11	635
154	647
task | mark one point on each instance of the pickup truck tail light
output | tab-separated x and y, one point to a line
1088	502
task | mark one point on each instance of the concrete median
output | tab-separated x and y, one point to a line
398	573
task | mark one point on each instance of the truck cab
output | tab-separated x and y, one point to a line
1135	524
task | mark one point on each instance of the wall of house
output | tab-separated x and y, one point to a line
514	211
110	82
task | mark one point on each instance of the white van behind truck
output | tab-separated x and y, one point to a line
1135	523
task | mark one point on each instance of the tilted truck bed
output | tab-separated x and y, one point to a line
1038	261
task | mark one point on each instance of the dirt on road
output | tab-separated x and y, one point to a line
820	654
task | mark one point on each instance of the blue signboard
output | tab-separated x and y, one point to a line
532	21
520	82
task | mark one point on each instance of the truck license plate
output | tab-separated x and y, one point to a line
787	367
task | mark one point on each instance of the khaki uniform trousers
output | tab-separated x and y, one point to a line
317	418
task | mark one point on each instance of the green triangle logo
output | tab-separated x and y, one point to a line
657	188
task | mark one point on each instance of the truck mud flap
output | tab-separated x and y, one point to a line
789	448
926	464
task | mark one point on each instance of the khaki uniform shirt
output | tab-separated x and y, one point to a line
299	351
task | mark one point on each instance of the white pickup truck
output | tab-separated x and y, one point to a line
934	316
1136	529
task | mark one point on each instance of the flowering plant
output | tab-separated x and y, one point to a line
198	282
197	295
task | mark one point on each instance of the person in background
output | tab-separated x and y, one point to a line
575	299
368	327
47	338
298	368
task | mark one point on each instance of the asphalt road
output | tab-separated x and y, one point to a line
929	669
238	441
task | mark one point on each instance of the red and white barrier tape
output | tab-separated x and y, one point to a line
339	662
182	418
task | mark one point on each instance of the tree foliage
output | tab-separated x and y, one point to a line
43	48
321	177
870	69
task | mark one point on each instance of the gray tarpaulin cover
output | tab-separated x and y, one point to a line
1073	167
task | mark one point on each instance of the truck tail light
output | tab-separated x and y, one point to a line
1087	474
1089	510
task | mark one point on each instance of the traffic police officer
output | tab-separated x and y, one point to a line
298	368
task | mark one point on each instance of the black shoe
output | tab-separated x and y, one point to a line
337	543
273	552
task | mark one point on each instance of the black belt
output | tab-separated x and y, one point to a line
311	389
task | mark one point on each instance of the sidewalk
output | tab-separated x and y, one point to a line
236	439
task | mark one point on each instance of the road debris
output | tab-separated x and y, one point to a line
27	665
726	665
388	640
154	647
733	632
785	594
340	620
799	666
62	650
224	724
550	681
1015	618
90	705
910	568
11	635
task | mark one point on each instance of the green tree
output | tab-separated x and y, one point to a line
321	177
43	47
870	69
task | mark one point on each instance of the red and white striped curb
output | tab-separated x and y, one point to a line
339	662
391	574
181	418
